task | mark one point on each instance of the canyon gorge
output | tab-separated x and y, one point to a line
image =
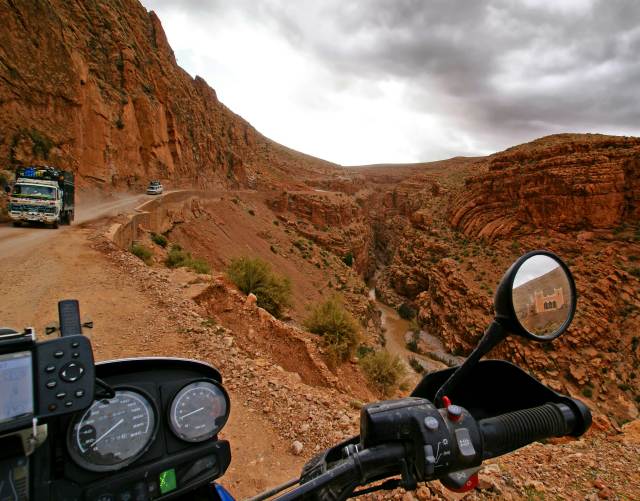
94	87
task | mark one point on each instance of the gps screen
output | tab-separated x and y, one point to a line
16	386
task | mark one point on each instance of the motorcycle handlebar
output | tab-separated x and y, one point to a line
495	436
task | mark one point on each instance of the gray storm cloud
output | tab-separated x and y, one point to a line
501	71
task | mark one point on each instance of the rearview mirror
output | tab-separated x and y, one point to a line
536	299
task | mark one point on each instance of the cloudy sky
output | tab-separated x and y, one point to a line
374	81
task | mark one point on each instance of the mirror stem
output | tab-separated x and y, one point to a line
492	336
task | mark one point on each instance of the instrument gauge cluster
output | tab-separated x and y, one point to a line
114	433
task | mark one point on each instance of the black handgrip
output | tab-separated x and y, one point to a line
508	432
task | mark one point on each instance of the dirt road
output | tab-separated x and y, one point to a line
40	266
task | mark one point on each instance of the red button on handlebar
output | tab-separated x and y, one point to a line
470	484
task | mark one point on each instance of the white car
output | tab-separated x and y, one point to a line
154	188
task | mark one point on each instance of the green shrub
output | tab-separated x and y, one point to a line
412	344
339	330
415	365
406	311
383	370
253	275
160	240
348	259
587	391
141	252
199	265
363	350
178	258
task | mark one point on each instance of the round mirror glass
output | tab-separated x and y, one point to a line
542	296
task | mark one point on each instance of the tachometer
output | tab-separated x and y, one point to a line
112	433
198	411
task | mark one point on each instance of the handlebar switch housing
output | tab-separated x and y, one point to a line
439	445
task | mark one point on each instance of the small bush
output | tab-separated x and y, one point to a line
251	212
383	370
587	391
348	259
412	345
199	265
253	275
339	330
364	350
141	252
635	271
178	258
160	240
415	365
406	311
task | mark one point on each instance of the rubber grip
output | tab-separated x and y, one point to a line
508	432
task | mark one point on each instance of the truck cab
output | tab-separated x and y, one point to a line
42	195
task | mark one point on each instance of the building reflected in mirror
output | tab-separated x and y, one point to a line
541	295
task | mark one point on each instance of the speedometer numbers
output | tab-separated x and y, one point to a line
198	411
113	433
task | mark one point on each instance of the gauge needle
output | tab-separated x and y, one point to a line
107	432
192	412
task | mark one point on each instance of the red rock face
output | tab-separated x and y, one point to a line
564	182
95	88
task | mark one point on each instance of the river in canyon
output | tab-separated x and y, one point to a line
433	354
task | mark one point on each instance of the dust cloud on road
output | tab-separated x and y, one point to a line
25	239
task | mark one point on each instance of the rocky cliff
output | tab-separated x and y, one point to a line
562	182
94	87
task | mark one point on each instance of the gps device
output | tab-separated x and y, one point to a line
41	380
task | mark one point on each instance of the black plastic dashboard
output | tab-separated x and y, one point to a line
156	438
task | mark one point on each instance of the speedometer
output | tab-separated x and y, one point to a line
198	411
112	433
